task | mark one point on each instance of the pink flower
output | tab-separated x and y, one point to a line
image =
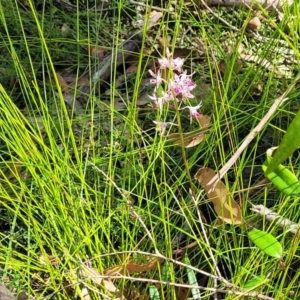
179	87
158	102
182	85
156	78
194	111
177	64
163	63
170	63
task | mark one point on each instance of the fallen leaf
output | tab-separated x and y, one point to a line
194	141
204	121
154	17
93	275
85	294
95	50
254	24
110	286
130	267
191	139
225	207
62	82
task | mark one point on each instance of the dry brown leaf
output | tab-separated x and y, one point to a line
62	82
191	139
109	286
154	17
130	267
254	24
204	120
92	274
95	50
85	294
188	143
225	207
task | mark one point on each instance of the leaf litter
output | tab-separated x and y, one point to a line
225	207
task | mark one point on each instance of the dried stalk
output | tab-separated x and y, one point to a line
288	225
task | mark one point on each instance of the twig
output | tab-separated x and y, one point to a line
205	236
278	219
279	101
214	290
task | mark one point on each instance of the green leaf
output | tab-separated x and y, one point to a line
289	143
153	293
165	274
266	242
192	279
283	179
254	282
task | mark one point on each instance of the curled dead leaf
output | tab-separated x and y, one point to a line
133	267
191	139
154	17
62	82
225	207
94	276
96	51
254	24
85	294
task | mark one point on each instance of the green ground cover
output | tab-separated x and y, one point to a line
97	203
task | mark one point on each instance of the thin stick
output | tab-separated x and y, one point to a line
214	290
205	235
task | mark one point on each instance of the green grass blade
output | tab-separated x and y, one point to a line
290	142
192	279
